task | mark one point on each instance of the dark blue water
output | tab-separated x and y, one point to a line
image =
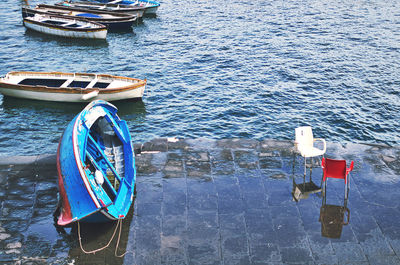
223	69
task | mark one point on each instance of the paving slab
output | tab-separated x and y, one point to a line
206	201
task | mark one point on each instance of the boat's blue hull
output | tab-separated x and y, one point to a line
149	5
93	187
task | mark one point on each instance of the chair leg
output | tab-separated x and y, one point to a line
324	193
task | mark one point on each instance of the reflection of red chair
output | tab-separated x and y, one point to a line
333	168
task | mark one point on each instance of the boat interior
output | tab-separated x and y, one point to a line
68	24
70	82
104	153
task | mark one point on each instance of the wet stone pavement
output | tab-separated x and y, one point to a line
202	201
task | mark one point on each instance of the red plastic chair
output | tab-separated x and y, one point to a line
333	168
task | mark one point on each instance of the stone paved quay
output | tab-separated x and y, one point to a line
202	201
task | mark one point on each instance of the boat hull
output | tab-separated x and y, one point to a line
67	33
137	11
11	86
113	21
68	97
83	197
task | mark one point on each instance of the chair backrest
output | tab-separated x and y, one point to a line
304	137
334	169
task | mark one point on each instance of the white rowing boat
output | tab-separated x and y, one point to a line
71	87
65	27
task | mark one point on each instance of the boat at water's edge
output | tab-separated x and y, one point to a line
71	87
96	167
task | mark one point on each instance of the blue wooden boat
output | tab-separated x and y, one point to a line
96	167
134	10
150	6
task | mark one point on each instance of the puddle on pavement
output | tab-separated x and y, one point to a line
30	230
331	216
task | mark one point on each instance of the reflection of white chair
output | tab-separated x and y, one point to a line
305	144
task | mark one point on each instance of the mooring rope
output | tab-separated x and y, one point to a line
119	236
119	223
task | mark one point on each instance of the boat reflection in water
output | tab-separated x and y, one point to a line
96	236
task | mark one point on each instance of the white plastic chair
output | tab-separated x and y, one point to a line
305	144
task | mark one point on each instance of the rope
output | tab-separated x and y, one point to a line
119	236
119	223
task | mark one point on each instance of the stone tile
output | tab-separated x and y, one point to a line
148	163
203	202
230	205
285	211
235	247
174	185
232	225
270	162
174	225
232	260
197	156
255	200
222	167
376	245
395	244
201	143
296	255
383	260
148	209
206	218
149	197
200	170
289	232
246	159
221	154
203	254
172	252
265	253
171	208
148	257
279	198
173	166
158	144
238	143
349	252
251	185
202	233
197	187
180	144
322	249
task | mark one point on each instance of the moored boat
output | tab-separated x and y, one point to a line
70	87
65	27
149	5
113	20
134	10
96	167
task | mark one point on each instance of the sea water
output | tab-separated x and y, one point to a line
224	69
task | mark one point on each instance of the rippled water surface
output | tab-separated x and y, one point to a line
222	69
